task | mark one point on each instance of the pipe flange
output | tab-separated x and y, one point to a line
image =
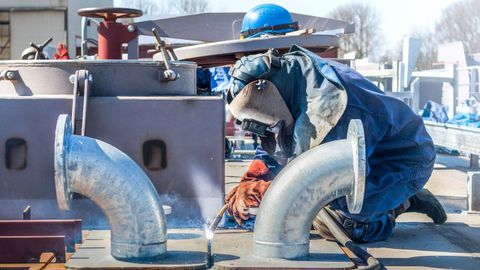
62	134
356	136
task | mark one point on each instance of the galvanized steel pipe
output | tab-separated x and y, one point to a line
117	185
312	180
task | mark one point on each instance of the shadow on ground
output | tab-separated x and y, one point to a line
415	244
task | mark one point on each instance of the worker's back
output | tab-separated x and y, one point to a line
400	153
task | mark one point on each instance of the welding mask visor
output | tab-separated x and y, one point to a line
262	110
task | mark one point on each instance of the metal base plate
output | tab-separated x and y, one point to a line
186	250
233	249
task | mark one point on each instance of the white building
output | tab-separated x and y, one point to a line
25	21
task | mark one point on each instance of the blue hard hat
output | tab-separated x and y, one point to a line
267	18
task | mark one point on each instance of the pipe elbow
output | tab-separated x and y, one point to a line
308	183
117	185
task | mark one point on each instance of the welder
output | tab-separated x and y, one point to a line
297	101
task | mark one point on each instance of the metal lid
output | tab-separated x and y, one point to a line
228	52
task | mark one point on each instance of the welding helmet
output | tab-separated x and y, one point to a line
267	19
307	84
261	109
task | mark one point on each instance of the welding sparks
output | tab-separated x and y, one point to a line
209	234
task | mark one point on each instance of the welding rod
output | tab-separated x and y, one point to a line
216	220
210	258
209	234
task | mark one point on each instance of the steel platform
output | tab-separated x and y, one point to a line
187	249
233	249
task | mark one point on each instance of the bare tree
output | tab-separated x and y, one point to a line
428	50
147	6
459	22
189	6
393	53
171	6
367	37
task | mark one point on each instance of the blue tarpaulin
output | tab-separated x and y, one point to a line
219	78
438	113
466	119
434	112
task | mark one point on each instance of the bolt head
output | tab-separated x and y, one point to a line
170	75
10	75
72	78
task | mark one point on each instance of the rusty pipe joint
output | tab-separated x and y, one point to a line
308	183
117	185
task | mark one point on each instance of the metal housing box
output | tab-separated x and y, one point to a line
174	135
110	77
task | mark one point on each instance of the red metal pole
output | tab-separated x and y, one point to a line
111	36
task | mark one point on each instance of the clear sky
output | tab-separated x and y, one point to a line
399	16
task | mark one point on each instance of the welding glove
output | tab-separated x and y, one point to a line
250	191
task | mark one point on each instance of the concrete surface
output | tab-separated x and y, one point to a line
417	243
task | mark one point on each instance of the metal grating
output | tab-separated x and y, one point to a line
4	35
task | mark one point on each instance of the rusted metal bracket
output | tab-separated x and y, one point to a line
21	249
70	229
82	80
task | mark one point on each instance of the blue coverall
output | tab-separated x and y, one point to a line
400	153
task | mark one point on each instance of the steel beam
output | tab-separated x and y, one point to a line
70	229
21	249
464	139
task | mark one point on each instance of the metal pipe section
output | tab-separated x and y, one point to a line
308	183
86	21
84	45
117	185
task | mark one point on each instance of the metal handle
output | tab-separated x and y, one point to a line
39	48
168	74
81	78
